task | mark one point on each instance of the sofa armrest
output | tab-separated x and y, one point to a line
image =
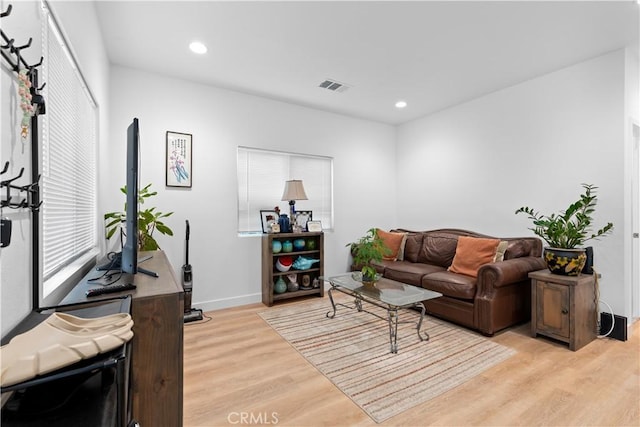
504	273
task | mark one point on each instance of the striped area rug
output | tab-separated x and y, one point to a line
352	351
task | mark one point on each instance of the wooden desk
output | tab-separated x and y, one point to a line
157	353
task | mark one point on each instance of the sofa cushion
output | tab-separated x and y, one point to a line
517	249
409	272
412	246
438	248
451	284
394	242
472	253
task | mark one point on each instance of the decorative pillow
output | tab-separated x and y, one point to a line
472	253
502	248
517	249
438	248
394	242
412	246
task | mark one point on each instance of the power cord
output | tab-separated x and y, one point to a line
598	301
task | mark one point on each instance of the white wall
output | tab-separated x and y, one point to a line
80	25
532	144
227	267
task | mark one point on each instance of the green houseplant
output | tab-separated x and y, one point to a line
567	231
367	250
149	220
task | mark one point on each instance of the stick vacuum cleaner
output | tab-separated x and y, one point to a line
190	314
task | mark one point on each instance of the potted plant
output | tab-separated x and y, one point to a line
149	220
367	250
567	232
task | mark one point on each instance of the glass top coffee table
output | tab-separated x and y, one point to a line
387	294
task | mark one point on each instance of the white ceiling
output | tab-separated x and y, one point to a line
431	54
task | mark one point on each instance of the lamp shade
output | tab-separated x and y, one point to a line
294	190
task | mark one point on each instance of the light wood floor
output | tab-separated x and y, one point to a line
238	371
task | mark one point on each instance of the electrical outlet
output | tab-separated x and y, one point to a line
619	331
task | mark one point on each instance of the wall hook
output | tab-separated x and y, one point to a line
7	12
9	44
16	48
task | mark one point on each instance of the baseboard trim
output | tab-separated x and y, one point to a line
219	304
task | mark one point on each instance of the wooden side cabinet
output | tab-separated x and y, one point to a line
313	249
563	308
157	310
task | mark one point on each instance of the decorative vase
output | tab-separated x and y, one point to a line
287	246
276	246
280	286
285	226
298	244
566	262
311	244
293	282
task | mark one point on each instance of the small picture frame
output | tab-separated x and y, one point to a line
314	226
303	218
178	172
268	220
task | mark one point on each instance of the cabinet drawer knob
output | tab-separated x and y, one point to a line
565	311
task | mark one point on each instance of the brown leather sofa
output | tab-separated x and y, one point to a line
498	298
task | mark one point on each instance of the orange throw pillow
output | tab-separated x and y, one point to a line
393	242
472	253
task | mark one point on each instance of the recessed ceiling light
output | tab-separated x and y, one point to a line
401	104
197	47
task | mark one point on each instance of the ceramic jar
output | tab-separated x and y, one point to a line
280	286
298	244
285	226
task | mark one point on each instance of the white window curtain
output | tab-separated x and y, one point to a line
261	179
69	133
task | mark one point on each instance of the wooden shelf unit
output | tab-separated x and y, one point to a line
563	308
270	273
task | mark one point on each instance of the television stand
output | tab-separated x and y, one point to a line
116	264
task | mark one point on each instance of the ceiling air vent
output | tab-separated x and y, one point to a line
333	86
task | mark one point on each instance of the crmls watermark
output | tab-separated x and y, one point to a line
250	418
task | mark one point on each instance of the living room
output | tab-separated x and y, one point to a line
468	165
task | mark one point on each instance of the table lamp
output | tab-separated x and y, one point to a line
293	190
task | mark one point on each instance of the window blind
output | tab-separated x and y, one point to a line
261	179
69	130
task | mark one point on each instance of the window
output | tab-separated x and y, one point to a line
68	167
261	178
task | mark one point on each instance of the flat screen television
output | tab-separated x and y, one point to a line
130	248
127	260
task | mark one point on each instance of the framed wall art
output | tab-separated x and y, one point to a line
178	159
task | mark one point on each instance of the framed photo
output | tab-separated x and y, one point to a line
314	226
302	218
178	160
269	219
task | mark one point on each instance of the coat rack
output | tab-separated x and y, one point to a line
9	50
11	53
31	200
